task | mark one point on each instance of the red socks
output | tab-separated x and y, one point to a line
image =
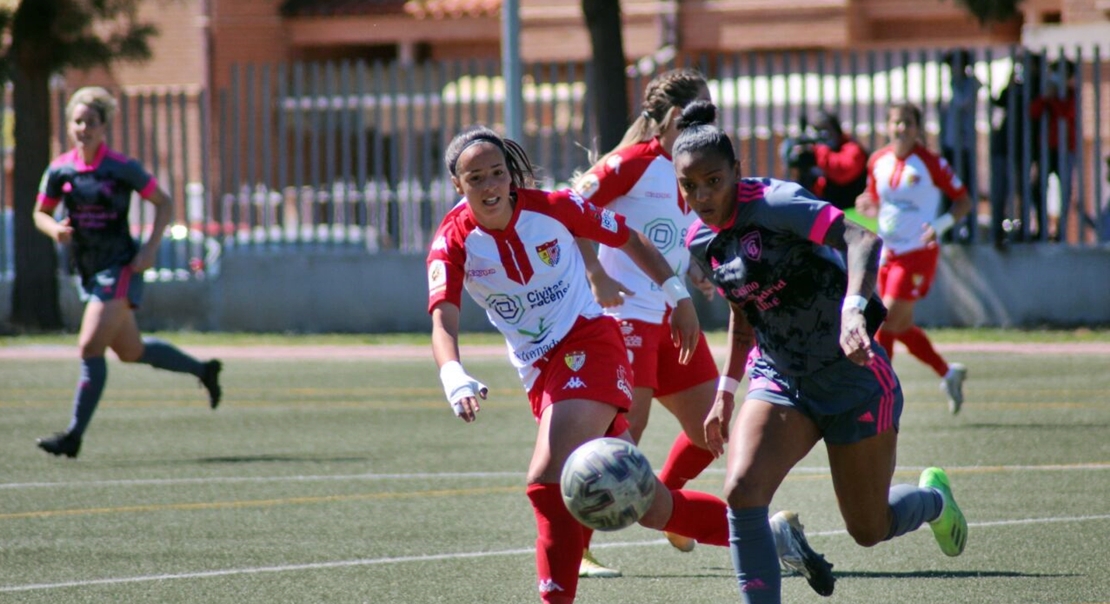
886	340
558	544
700	516
919	346
684	463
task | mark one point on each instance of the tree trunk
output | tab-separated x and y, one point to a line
608	88
35	291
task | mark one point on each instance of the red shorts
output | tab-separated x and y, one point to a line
910	275
655	358
590	363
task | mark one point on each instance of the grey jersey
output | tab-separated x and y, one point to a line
771	261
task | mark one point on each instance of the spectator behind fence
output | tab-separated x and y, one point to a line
1057	105
905	183
840	163
95	184
957	132
1010	164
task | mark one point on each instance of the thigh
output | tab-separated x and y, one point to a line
100	325
765	442
690	407
861	475
563	427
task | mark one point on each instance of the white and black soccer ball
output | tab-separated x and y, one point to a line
607	484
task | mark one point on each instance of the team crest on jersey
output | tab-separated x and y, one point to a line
752	245
437	276
549	252
587	185
913	179
575	360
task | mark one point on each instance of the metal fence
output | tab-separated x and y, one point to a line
349	154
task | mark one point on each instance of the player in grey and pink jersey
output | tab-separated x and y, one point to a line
95	184
800	281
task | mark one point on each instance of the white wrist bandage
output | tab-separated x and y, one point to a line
457	385
855	301
675	290
942	223
727	384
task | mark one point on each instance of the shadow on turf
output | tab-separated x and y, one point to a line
1068	427
917	574
245	459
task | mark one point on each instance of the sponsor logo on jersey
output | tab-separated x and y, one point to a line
509	308
752	245
626	328
437	276
537	336
588	185
478	273
574	383
548	295
622	382
631	341
549	252
608	221
663	233
575	360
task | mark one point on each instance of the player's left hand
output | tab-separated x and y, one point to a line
685	330
608	291
717	422
700	281
144	259
928	235
854	340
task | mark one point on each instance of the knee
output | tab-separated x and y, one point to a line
747	492
868	534
130	355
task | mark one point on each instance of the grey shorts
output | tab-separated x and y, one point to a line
849	403
115	283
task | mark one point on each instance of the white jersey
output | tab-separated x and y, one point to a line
638	182
529	277
910	191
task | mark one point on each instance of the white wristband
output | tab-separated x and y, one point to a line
457	385
675	290
727	384
855	301
942	223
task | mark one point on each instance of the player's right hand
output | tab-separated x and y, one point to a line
608	291
462	391
717	422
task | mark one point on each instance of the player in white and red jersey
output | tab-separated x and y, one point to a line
905	185
513	249
799	280
636	180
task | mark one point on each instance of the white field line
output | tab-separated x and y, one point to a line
817	470
437	557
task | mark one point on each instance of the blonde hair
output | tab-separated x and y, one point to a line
673	88
93	97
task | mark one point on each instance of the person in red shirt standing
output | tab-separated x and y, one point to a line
1057	105
841	163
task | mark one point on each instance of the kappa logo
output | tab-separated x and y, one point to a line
549	252
440	243
575	360
549	585
614	163
574	383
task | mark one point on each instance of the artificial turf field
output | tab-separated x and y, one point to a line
340	475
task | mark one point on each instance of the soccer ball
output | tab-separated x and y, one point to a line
607	484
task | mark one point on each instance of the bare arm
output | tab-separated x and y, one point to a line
685	329
862	258
607	290
60	232
741	339
462	391
163	211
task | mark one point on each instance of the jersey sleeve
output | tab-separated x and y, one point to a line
143	182
792	209
612	178
50	189
584	219
446	265
943	176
